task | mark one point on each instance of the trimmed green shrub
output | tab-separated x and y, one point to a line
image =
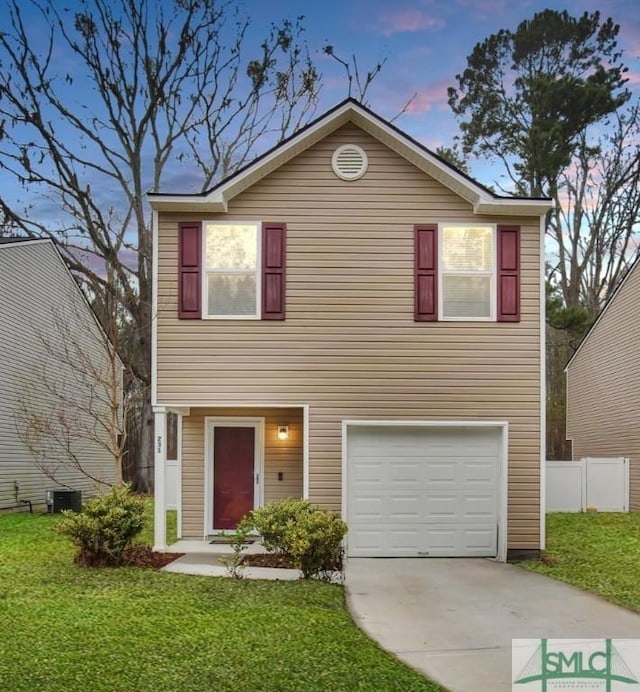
309	536
105	528
315	543
275	522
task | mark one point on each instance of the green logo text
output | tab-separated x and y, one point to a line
605	665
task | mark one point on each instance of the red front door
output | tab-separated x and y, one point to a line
233	460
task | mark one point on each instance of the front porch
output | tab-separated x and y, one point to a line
228	461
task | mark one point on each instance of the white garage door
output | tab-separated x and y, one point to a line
422	491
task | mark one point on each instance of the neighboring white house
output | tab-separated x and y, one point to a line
46	327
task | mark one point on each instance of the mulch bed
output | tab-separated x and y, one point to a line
232	541
267	560
272	560
143	556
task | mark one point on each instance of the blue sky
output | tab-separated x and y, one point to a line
426	43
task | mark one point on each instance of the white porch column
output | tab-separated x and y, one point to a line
159	511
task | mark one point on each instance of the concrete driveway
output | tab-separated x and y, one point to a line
454	619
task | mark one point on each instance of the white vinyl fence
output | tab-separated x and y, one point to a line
574	486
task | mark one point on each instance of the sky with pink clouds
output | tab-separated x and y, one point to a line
426	43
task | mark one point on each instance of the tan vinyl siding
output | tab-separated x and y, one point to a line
284	456
349	346
37	296
603	386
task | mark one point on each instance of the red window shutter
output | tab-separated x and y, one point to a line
189	271
426	273
274	248
508	274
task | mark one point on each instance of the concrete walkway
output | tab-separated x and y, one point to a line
208	565
454	619
203	559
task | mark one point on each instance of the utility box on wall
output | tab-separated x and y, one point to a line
57	500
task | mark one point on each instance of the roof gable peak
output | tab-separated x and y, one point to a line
480	197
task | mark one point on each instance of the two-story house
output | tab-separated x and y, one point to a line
352	320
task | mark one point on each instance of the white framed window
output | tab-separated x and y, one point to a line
231	276
467	274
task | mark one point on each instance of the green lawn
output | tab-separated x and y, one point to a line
597	552
68	628
146	536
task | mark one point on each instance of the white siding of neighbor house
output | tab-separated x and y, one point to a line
37	294
603	386
349	347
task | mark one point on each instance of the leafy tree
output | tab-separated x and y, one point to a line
565	328
548	101
575	320
110	99
454	156
527	96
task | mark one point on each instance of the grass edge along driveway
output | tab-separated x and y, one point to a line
595	552
69	628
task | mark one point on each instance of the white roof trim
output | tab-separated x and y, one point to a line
592	328
208	203
482	201
511	205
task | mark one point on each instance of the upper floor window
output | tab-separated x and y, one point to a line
467	272
231	270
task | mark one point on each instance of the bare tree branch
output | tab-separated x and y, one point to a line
166	89
596	224
73	408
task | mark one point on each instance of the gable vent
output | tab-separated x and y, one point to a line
349	162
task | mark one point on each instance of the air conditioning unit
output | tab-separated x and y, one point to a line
57	500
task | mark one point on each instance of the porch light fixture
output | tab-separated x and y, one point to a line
283	432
